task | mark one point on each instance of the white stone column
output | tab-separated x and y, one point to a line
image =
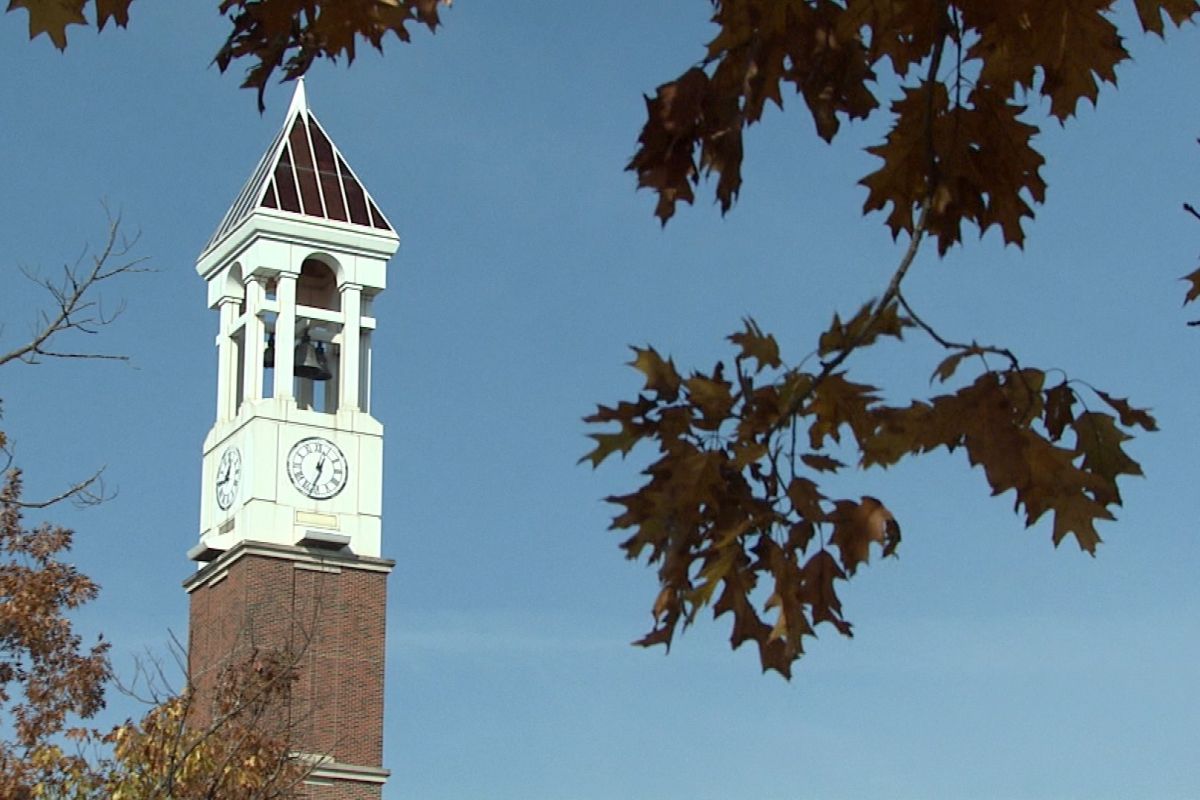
285	336
351	337
252	341
364	372
226	375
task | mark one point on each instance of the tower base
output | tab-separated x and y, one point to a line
326	610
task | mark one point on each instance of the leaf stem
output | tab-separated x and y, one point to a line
914	244
949	345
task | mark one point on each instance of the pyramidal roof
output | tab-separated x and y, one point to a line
303	173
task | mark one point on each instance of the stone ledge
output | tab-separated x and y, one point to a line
324	768
212	571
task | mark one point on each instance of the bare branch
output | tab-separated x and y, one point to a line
975	347
76	302
81	493
90	491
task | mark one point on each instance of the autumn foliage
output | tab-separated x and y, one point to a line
285	35
48	679
974	76
733	502
230	741
235	745
731	512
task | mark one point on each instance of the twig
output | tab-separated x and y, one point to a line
949	345
75	305
893	289
82	493
910	254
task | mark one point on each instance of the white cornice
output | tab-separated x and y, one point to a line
324	768
216	570
290	228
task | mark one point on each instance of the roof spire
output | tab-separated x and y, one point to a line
303	174
299	100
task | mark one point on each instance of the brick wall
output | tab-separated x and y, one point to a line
343	790
331	614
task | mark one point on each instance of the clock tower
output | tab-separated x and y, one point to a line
289	547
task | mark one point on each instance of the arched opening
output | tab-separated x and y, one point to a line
317	356
233	283
317	286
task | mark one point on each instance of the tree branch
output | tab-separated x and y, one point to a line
914	245
949	345
87	492
890	294
76	306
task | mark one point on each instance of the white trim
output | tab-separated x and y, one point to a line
291	154
324	768
216	578
316	168
285	335
337	167
317	568
215	570
297	229
299	98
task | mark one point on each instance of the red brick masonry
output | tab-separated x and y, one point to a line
329	608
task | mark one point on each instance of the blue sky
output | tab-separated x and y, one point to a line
986	664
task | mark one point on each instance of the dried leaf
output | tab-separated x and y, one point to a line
857	525
661	377
1099	439
52	17
821	463
1059	402
1150	13
836	402
819	574
1194	290
863	329
946	369
289	35
609	443
756	345
1130	416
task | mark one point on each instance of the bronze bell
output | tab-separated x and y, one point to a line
311	362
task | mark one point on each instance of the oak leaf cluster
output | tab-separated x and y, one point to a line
49	680
731	512
285	35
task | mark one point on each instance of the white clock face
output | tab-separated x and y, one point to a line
229	477
317	467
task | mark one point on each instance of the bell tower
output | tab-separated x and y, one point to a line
289	547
